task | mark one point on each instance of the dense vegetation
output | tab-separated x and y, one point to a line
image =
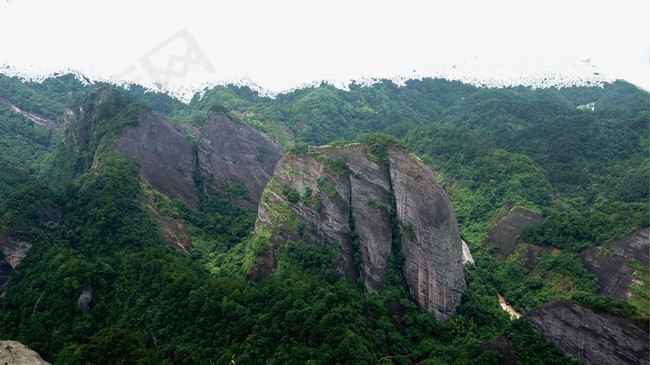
153	304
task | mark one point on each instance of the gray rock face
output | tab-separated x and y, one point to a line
609	263
166	157
230	153
369	182
430	238
591	337
507	225
326	216
346	208
84	300
467	254
14	353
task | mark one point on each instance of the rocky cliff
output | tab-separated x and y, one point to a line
231	154
507	226
610	263
15	353
166	158
591	337
365	206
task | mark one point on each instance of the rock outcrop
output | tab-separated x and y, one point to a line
15	245
166	158
344	197
231	154
609	262
83	302
14	353
430	239
507	226
591	337
467	254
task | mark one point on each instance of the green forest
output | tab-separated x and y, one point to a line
587	171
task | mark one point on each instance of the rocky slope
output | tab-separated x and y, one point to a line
344	197
591	337
236	154
609	262
166	158
507	226
15	353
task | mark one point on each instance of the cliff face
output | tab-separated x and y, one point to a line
12	352
236	154
591	337
430	239
609	262
507	225
342	197
165	156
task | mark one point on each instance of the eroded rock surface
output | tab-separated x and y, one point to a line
507	226
430	239
15	353
341	196
166	158
236	154
609	262
83	302
591	337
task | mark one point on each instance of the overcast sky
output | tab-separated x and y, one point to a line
282	44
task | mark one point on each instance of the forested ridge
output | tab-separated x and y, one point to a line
578	155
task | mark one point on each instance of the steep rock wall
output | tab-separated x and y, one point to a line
591	337
341	196
236	154
609	262
430	239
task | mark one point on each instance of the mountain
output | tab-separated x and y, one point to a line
358	201
322	225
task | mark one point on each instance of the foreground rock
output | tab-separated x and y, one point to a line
341	197
507	226
591	337
15	353
609	262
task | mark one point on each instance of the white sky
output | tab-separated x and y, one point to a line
283	44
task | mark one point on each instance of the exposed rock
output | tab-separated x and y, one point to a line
507	226
430	239
591	337
533	255
173	230
369	180
236	154
15	245
609	263
335	202
15	353
326	216
467	254
166	158
84	300
14	248
38	120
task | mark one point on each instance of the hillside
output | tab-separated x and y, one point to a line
184	233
